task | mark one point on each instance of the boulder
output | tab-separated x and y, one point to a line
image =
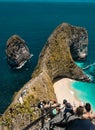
17	52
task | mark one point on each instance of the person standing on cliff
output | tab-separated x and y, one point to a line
68	109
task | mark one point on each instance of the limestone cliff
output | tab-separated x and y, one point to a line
17	51
65	44
55	61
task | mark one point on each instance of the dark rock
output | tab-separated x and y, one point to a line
78	43
17	52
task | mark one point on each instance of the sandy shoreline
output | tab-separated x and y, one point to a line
63	90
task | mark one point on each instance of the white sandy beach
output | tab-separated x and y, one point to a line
63	90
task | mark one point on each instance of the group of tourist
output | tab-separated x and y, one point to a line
49	109
81	117
74	118
50	106
86	110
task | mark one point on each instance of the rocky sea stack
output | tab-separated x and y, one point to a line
56	60
17	51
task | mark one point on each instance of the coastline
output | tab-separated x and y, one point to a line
63	90
23	63
79	94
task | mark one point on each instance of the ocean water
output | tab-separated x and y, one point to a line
84	91
34	22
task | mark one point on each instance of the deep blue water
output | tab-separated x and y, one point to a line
34	22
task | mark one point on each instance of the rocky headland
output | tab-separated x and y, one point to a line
17	52
66	44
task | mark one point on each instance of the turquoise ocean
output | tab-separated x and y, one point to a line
34	22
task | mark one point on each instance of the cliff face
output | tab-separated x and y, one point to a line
17	51
65	44
55	61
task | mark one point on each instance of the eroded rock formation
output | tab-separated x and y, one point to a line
65	44
55	61
17	51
